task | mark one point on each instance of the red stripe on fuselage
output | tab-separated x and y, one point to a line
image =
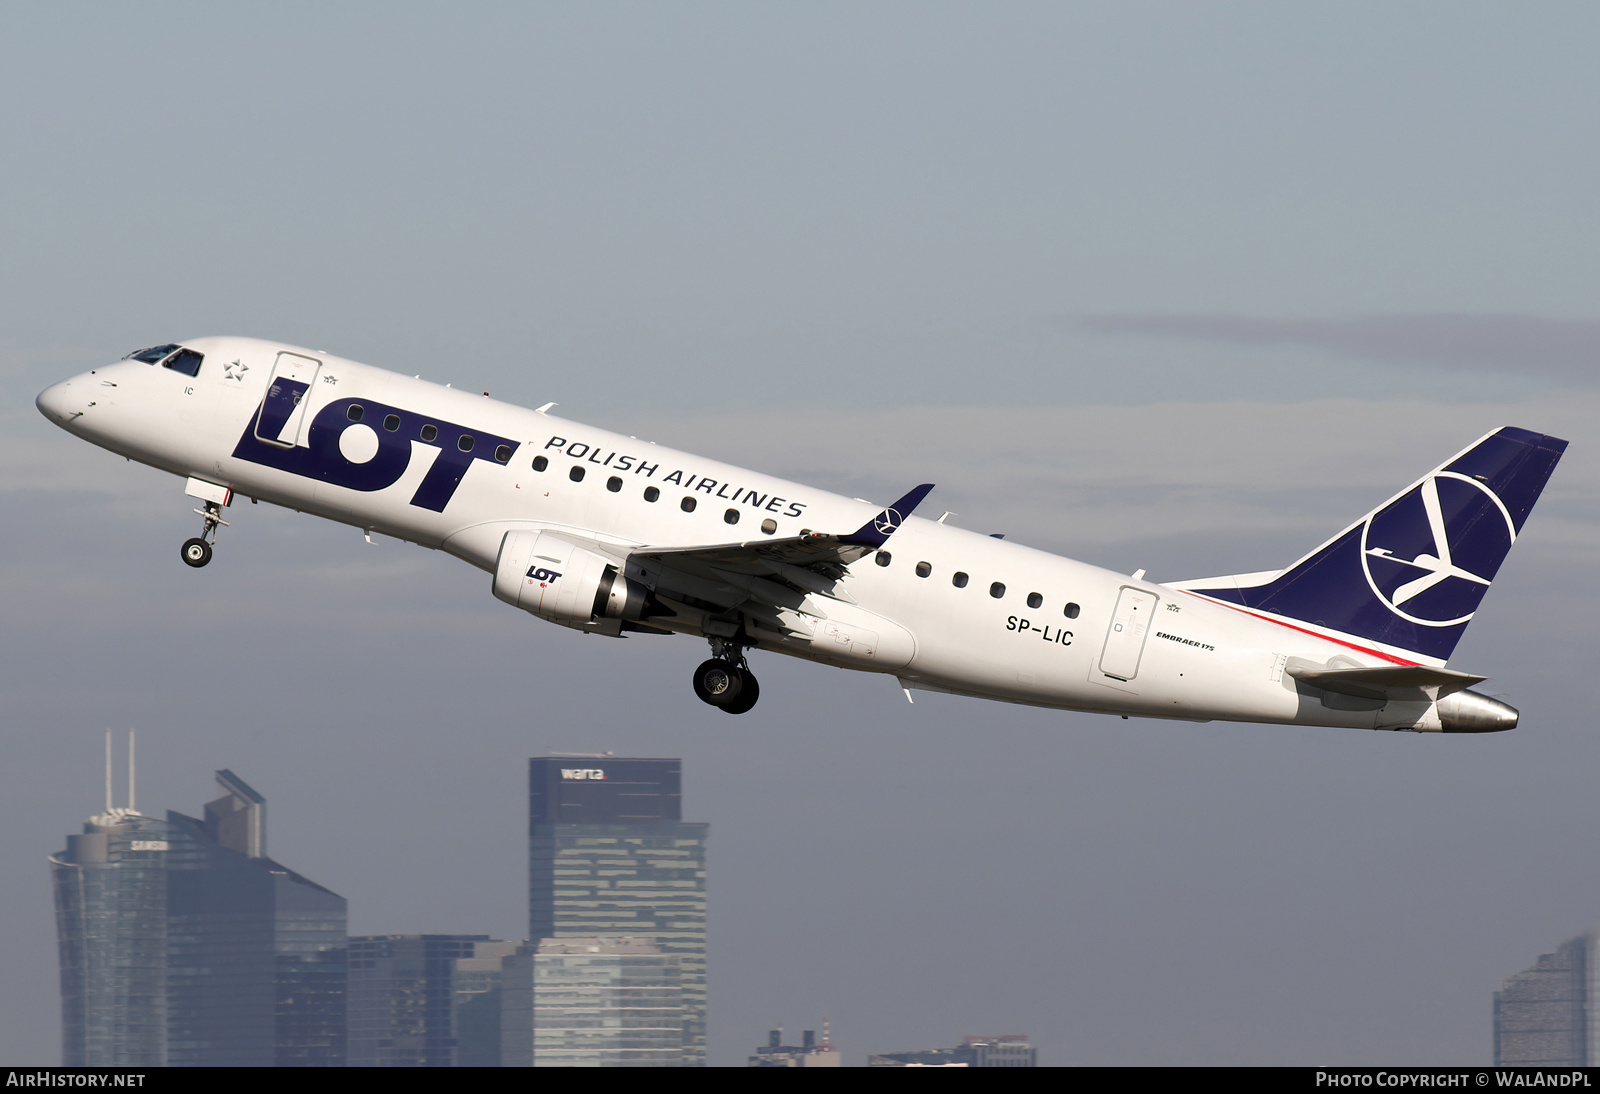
1302	630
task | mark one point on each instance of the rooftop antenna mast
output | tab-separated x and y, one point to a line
108	771
131	807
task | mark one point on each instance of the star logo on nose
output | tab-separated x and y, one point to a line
233	370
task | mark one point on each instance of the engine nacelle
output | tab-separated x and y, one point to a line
564	583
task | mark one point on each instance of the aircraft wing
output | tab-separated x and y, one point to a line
770	581
829	550
790	551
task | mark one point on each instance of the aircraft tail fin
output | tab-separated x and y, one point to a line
1410	574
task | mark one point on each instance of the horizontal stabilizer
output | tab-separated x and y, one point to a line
1385	682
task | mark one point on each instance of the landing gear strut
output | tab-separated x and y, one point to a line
197	551
726	681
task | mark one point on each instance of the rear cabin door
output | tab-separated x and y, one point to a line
1130	626
283	410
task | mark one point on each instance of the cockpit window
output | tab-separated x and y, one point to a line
186	361
153	354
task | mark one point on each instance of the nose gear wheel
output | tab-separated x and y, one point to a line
197	551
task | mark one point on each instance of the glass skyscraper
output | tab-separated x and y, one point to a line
610	857
183	944
1549	1015
414	1000
111	917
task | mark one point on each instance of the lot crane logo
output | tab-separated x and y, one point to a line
1430	554
887	522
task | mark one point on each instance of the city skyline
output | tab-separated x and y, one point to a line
182	944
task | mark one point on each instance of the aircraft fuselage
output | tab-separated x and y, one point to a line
937	606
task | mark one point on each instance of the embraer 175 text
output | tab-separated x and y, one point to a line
610	535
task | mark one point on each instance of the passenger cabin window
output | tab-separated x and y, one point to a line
924	569
576	474
186	361
997	590
883	558
687	505
153	355
613	484
769	526
540	463
464	442
730	516
391	422
429	432
651	493
1035	600
354	412
958	579
502	453
1070	611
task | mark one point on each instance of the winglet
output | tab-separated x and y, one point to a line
876	531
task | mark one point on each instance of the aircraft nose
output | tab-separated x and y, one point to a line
52	401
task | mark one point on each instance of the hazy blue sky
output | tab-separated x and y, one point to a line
1177	286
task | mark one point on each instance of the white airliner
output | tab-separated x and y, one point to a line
611	535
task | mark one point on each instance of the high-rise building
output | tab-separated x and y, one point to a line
410	994
255	951
183	944
476	986
111	916
1549	1015
592	1002
611	857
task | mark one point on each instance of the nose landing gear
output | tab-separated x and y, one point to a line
726	681
197	551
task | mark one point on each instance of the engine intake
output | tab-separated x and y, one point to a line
564	583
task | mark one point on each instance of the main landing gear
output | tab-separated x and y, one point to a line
726	681
197	551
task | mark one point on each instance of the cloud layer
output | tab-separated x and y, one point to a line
1566	350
